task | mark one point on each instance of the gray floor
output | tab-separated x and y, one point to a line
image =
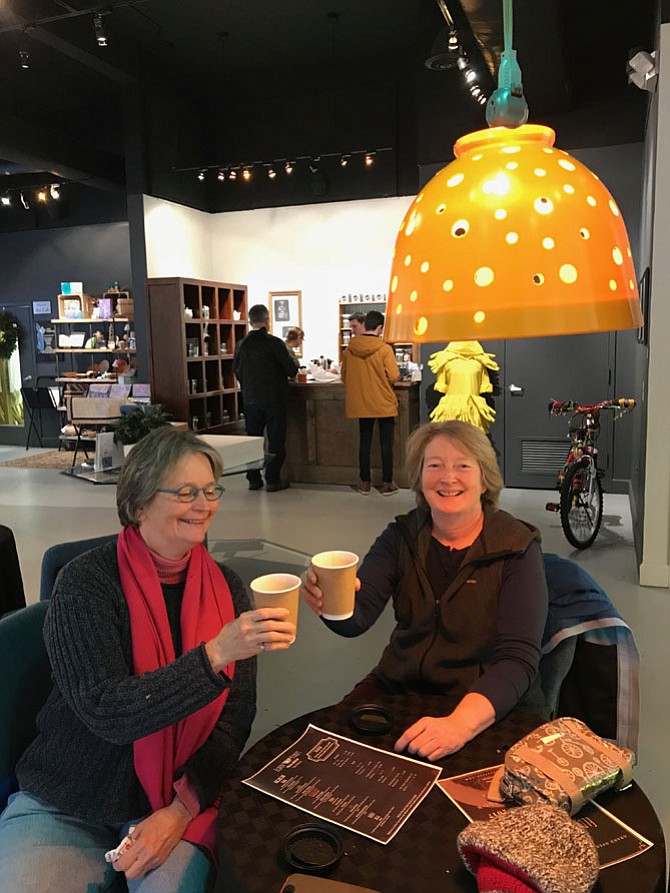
44	507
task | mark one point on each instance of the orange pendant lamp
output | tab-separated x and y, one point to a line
513	239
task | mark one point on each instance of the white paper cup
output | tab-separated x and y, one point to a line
278	591
336	578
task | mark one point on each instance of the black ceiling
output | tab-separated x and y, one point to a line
68	113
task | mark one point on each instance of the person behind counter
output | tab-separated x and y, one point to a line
293	341
152	647
468	589
357	323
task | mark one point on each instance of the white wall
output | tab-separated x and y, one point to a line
178	240
325	251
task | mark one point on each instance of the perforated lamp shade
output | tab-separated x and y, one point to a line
513	239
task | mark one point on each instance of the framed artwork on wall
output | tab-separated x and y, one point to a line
285	312
644	287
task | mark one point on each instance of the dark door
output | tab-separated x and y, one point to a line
536	370
14	374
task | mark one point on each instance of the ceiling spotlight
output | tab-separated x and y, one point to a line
642	70
98	27
24	202
221	176
246	174
42	196
314	166
6	200
344	160
272	173
202	175
54	191
469	76
24	58
232	175
446	52
369	159
288	167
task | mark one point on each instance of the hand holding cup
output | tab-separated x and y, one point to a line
265	629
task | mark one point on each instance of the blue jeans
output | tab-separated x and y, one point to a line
43	850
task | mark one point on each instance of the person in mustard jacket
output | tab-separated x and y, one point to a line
369	371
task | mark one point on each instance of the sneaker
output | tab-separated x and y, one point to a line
389	488
280	485
255	485
364	488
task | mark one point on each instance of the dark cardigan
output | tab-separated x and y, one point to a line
82	759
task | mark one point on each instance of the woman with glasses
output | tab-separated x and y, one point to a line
153	651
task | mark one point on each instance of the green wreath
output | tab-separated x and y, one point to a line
11	333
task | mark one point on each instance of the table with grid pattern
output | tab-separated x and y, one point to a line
423	855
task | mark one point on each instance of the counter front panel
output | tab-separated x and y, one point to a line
322	443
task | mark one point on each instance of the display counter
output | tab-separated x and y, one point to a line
322	443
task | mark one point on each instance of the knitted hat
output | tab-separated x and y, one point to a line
530	849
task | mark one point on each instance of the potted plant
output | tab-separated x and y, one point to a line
137	422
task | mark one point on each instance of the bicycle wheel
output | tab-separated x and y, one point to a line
581	506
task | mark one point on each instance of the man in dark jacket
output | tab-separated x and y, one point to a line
263	367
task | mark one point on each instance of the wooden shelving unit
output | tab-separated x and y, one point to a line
194	326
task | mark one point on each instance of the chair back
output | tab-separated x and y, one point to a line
56	557
26	682
590	665
12	595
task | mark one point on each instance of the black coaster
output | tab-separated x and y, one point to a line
371	719
312	848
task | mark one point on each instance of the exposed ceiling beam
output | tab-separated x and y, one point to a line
34	29
42	148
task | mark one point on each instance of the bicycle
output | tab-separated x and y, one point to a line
579	481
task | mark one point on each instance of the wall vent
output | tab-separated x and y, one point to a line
543	456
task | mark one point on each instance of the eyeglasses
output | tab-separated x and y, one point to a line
189	493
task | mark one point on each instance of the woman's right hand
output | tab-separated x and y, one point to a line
311	592
264	629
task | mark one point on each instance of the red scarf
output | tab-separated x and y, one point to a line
206	606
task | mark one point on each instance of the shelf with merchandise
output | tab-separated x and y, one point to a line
194	326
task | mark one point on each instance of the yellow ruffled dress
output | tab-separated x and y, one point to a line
461	370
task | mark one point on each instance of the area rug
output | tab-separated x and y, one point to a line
53	459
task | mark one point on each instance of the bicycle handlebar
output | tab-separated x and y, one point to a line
570	407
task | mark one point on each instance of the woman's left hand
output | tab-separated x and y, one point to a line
433	737
153	839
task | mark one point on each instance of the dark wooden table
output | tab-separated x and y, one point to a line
423	855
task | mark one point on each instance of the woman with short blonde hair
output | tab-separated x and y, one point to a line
471	440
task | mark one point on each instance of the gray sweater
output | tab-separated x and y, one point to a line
82	759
